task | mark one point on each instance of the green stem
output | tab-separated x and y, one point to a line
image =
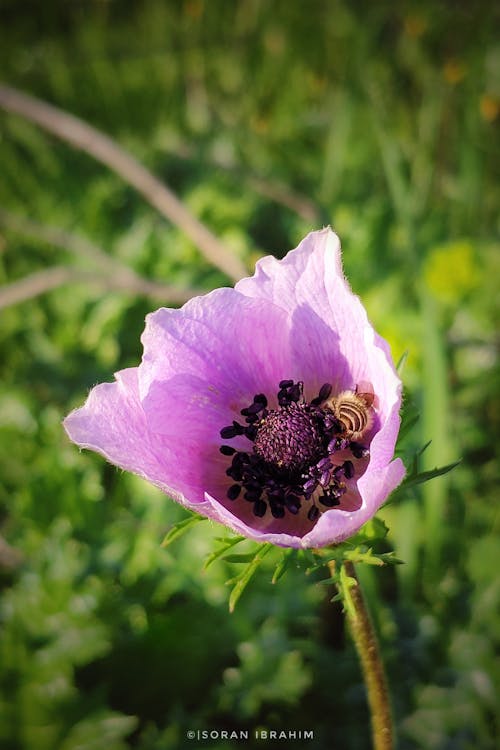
368	650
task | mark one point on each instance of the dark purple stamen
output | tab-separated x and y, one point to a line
323	394
260	398
329	500
359	451
232	431
252	409
234	491
313	513
348	467
227	450
277	510
290	461
259	508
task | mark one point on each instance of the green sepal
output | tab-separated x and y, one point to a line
180	528
363	554
419	477
409	418
372	530
402	362
227	543
405	428
345	584
244	577
242	558
288	556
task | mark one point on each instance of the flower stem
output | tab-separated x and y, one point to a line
368	650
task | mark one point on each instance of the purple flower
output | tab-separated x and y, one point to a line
272	408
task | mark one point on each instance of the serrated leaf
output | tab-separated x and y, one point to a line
244	577
329	581
307	555
180	528
407	425
375	528
414	479
360	555
423	448
325	560
409	417
415	462
425	476
243	558
402	362
287	557
227	544
390	558
345	584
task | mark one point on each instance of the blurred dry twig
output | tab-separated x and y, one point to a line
109	273
87	138
44	281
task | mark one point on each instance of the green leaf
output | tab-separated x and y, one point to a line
375	528
287	557
243	558
345	584
226	544
402	362
407	425
329	581
335	556
423	449
415	478
360	555
180	528
390	558
366	555
410	415
243	579
426	476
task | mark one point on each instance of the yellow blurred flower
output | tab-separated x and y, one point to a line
414	26
194	8
489	106
454	71
451	270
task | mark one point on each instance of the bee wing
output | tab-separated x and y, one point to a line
364	390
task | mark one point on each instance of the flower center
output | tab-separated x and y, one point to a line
291	458
289	438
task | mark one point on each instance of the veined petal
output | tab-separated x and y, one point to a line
224	344
113	423
332	338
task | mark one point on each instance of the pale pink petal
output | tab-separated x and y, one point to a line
208	360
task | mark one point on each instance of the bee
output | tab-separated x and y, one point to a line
353	409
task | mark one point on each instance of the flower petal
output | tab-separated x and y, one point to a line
332	339
112	422
296	318
374	487
216	352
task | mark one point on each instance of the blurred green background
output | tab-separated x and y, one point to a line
268	119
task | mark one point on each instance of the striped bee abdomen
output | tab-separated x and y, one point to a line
354	412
